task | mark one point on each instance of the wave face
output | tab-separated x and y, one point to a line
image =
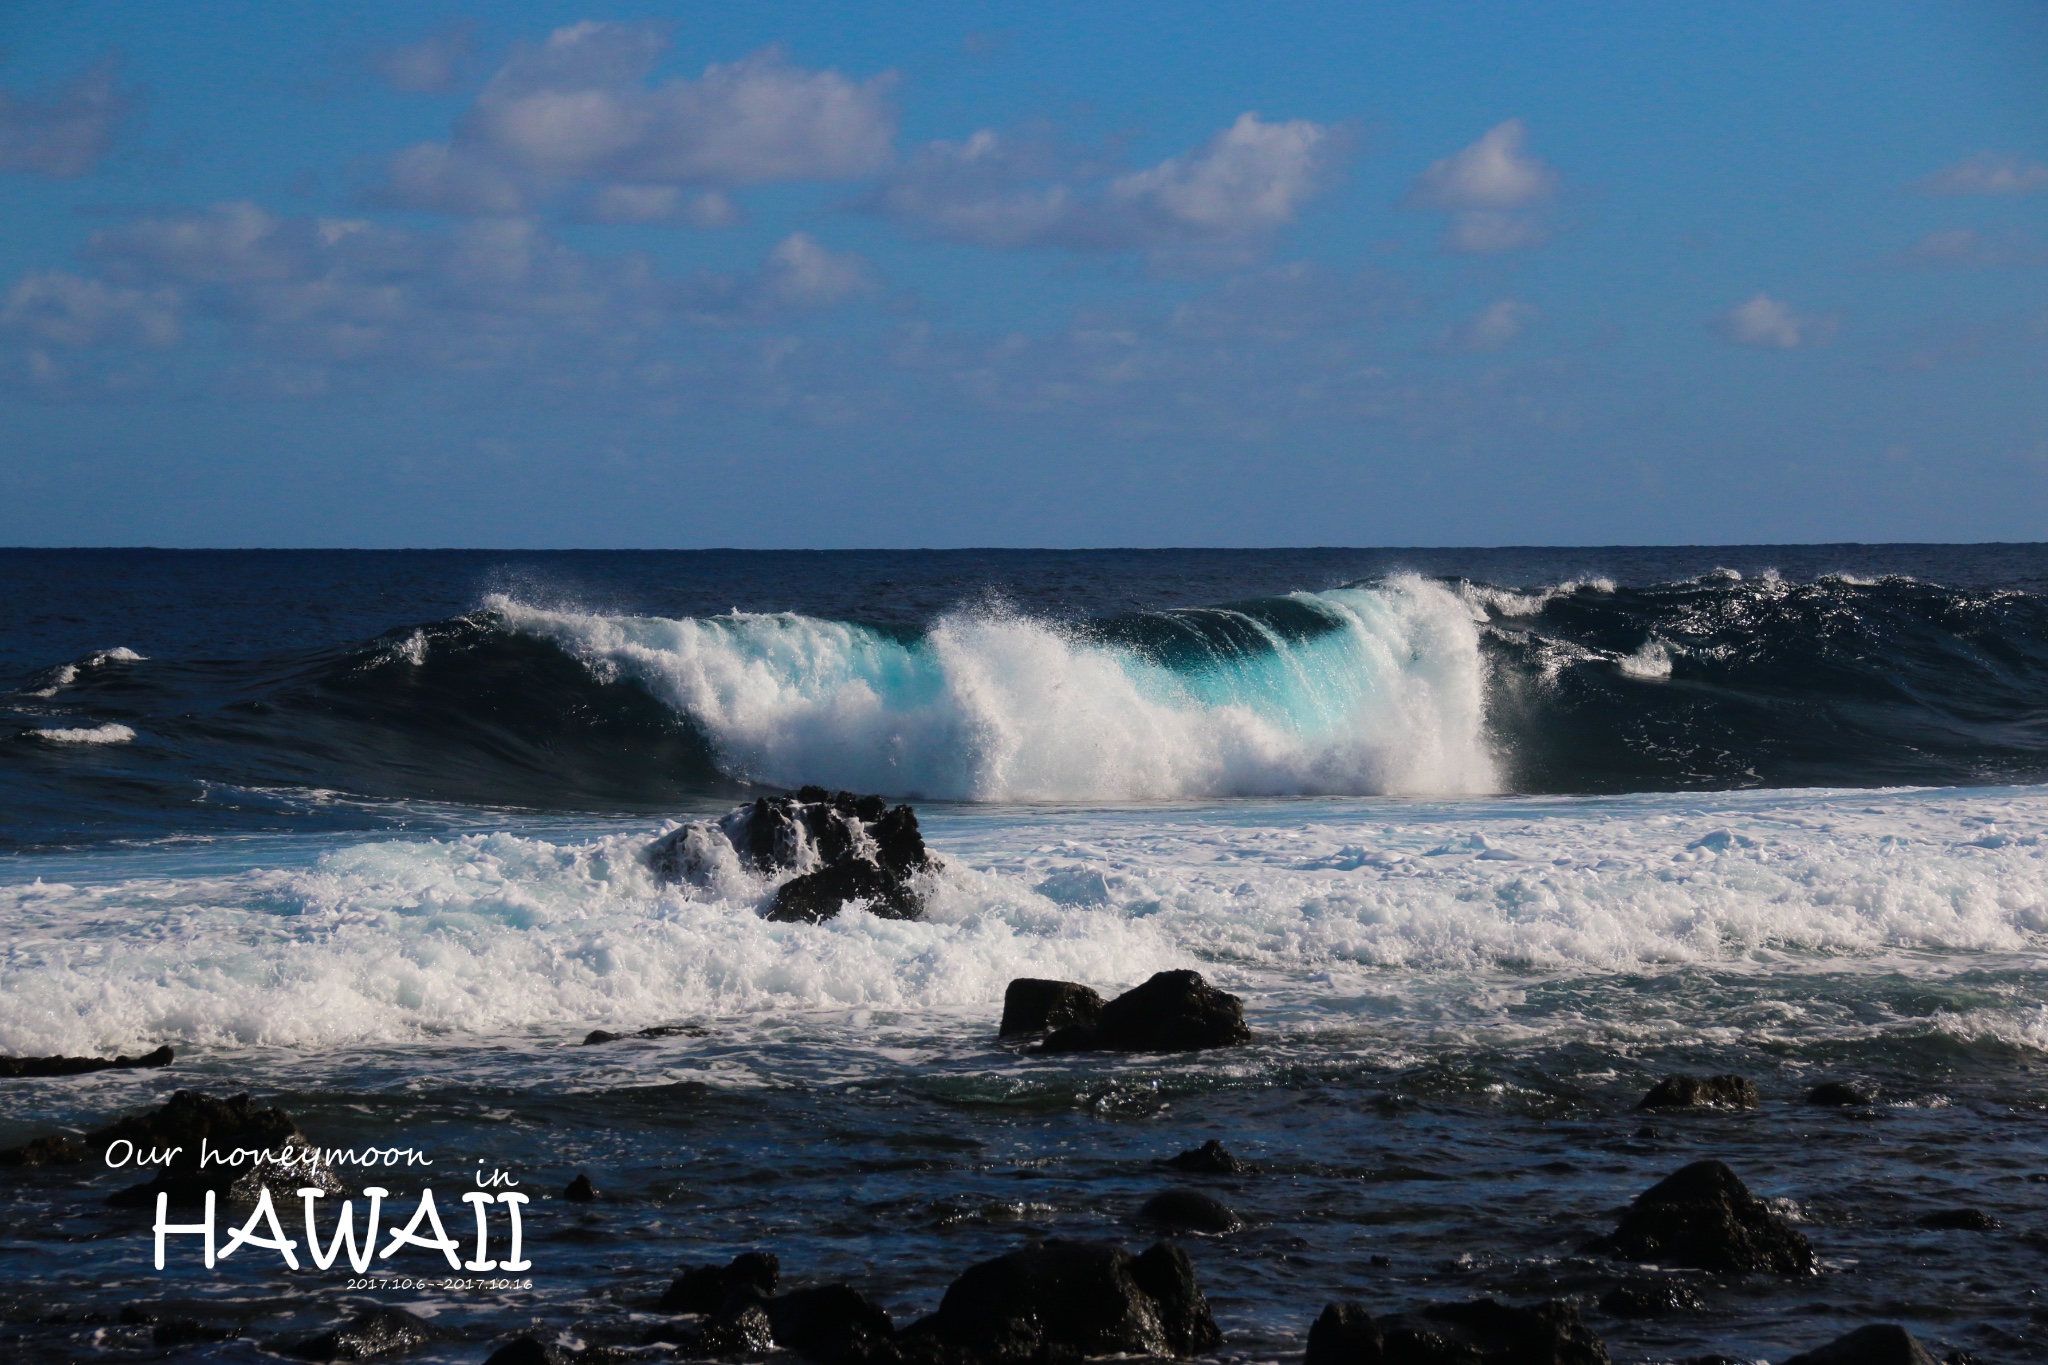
1724	681
1369	690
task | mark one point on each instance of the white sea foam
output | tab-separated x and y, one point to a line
1652	661
1321	911
993	707
95	734
62	676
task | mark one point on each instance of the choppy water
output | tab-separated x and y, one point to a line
1486	843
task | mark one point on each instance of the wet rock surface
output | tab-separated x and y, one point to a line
844	848
226	1126
1188	1211
1701	1092
580	1190
1033	1005
1211	1158
1959	1220
705	1288
1172	1012
1482	1332
1649	1299
1704	1217
80	1066
1877	1344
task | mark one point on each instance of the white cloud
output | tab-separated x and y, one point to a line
1494	326
1772	324
429	66
578	108
73	310
1219	200
1988	173
66	135
662	204
1492	190
1969	248
494	294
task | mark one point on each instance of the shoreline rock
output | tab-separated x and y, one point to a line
1701	1092
1703	1216
1481	1332
1172	1012
1211	1158
1033	1005
81	1066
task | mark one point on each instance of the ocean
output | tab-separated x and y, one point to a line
1487	841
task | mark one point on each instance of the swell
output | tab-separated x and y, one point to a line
1400	686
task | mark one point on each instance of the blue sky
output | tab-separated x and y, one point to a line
1053	274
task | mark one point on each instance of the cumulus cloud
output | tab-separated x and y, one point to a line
1492	190
428	67
66	135
1220	200
1988	173
1494	326
1771	324
308	293
580	109
662	204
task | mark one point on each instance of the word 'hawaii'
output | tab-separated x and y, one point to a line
265	1215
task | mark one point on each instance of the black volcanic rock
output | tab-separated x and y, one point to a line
79	1066
844	848
1704	1217
832	1323
1482	1332
1839	1094
1345	1334
705	1288
1034	1005
1188	1211
1211	1158
1701	1092
580	1190
1172	1012
527	1351
1060	1298
373	1335
53	1149
1878	1344
1959	1220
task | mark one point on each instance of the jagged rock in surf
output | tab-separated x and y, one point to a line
705	1288
1704	1217
1882	1343
1649	1299
1211	1158
1959	1220
844	849
1059	1298
1034	1005
1840	1094
580	1190
1482	1332
1172	1012
226	1125
370	1335
1188	1211
1701	1092
79	1066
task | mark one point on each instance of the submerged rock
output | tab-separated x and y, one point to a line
1879	1344
1189	1211
188	1118
1701	1092
580	1190
1483	1332
1704	1217
372	1335
1211	1158
1649	1299
1959	1220
1058	1297
844	849
79	1066
1034	1005
1840	1094
1172	1012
